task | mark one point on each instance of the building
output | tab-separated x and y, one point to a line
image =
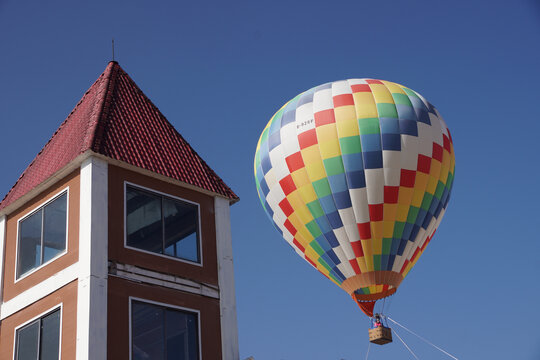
115	241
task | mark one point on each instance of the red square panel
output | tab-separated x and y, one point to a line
446	143
407	178
307	139
374	82
289	226
295	162
391	194
364	229
324	117
424	164
286	207
360	88
343	100
298	245
357	249
437	151
376	212
355	266
287	184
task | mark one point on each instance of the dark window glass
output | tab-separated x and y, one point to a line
27	342
163	333
50	336
144	225
39	340
162	225
42	235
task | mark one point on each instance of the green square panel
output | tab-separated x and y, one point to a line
350	145
398	229
401	99
426	201
369	126
387	110
386	246
377	262
333	166
322	188
314	229
315	209
318	249
413	213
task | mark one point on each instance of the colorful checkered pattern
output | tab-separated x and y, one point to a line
356	176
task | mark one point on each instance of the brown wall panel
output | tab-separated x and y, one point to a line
12	288
67	296
120	290
117	252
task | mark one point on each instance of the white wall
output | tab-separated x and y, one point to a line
93	260
229	326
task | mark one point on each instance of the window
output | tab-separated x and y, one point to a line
163	333
162	225
42	235
40	339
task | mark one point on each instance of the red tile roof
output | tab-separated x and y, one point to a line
114	118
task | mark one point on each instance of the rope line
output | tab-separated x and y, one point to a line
367	354
408	348
421	338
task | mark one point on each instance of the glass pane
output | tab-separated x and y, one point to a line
50	336
181	335
54	228
27	342
181	228
147	332
144	227
29	251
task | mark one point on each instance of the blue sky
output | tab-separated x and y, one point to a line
219	70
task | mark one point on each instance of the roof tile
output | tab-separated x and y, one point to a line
114	118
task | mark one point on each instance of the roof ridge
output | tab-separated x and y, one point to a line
62	125
203	163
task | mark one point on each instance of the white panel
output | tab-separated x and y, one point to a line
227	299
340	88
357	81
2	246
375	185
93	261
360	205
39	291
322	100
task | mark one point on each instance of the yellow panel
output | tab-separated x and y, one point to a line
311	155
316	171
381	94
377	246
347	126
405	195
446	158
310	253
326	133
435	169
300	178
329	149
301	240
402	212
393	88
376	229
421	181
432	185
388	228
364	105
368	254
418	196
372	289
362	264
307	193
444	174
295	201
389	212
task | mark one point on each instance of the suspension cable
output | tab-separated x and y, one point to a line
408	348
421	338
367	354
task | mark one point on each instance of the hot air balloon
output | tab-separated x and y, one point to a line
356	175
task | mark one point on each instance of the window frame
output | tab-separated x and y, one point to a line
165	305
163	194
27	215
56	307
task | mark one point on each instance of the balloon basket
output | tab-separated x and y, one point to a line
380	335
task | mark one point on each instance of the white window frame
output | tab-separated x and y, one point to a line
31	212
59	307
136	186
175	307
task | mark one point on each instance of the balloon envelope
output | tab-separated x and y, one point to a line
356	176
